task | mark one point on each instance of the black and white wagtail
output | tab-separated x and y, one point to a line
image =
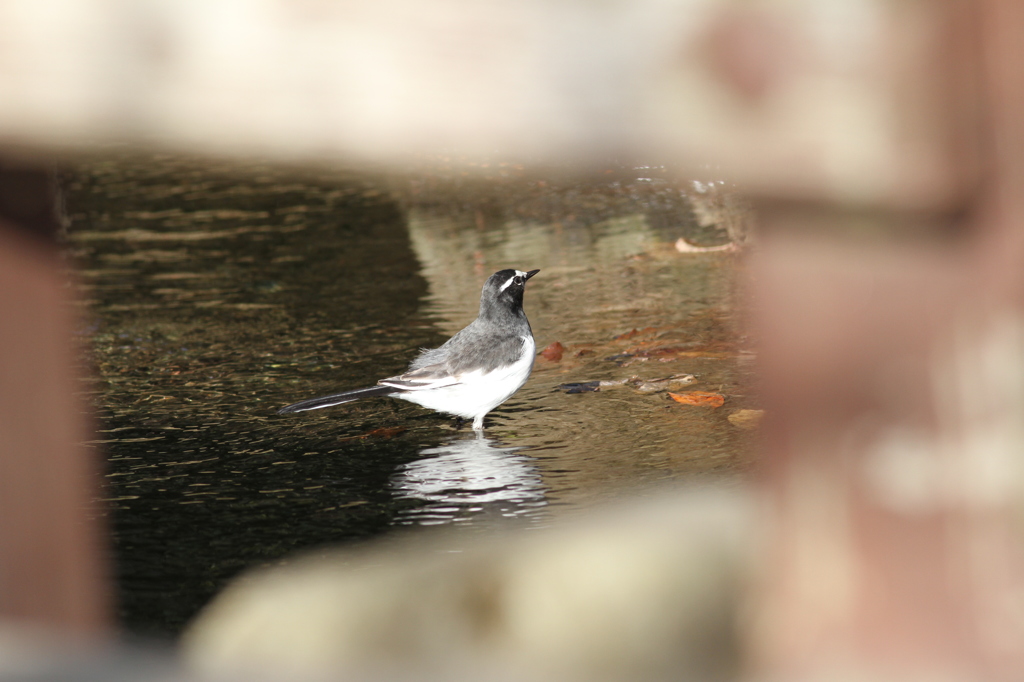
471	373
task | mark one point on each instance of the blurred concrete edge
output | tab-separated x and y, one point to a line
865	102
650	589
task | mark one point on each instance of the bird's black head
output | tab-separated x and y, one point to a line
503	291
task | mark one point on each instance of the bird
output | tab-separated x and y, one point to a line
471	373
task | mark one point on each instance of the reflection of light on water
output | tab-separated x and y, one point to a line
457	256
468	477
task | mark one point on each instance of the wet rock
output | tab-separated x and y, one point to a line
641	385
683	246
675	381
621	359
746	419
581	387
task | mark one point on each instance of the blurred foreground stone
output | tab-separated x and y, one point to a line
34	654
649	591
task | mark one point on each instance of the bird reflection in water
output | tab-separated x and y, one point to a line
466	478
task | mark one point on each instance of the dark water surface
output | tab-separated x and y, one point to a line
214	295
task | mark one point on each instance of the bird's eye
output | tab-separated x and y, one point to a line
518	280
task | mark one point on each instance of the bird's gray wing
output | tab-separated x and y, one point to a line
422	378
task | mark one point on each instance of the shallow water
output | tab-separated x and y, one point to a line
214	295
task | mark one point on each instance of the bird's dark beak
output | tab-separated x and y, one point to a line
531	273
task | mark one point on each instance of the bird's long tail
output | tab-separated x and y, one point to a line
337	399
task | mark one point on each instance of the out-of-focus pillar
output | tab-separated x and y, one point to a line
1002	217
52	561
893	359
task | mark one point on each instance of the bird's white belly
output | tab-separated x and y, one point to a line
477	393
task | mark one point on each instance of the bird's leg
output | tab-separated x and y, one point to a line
459	423
478	423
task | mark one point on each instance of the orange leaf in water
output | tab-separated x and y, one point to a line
699	398
553	352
